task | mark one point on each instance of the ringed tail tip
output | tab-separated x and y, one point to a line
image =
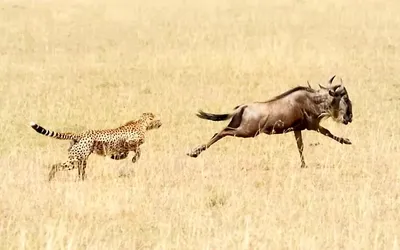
32	123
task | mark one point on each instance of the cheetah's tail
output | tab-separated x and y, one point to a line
57	135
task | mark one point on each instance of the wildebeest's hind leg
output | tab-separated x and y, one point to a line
239	132
236	128
300	146
216	137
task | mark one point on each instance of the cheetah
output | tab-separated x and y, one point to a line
115	143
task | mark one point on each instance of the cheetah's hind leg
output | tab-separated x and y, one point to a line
82	170
68	165
53	170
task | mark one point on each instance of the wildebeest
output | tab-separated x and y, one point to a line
294	110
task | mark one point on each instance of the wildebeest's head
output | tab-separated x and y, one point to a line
340	106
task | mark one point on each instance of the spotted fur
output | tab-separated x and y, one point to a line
116	143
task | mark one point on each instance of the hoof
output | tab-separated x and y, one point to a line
191	154
346	141
195	152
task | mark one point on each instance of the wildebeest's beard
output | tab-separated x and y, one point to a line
348	113
342	106
338	111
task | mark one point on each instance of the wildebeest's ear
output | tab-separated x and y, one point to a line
331	80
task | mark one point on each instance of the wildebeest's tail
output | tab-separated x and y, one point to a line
57	135
218	117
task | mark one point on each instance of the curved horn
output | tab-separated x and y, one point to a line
341	81
322	87
335	90
331	80
336	87
309	84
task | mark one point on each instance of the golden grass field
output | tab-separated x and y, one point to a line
77	65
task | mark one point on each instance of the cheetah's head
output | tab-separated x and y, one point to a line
151	121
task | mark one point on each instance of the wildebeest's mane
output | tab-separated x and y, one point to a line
298	88
290	91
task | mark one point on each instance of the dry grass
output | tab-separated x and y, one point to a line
74	65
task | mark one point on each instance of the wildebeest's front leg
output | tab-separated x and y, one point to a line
328	133
300	146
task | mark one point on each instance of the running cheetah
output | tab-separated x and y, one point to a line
116	143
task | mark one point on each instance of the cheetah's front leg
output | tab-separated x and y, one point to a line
120	156
137	155
133	145
124	155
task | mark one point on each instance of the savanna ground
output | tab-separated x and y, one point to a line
76	65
